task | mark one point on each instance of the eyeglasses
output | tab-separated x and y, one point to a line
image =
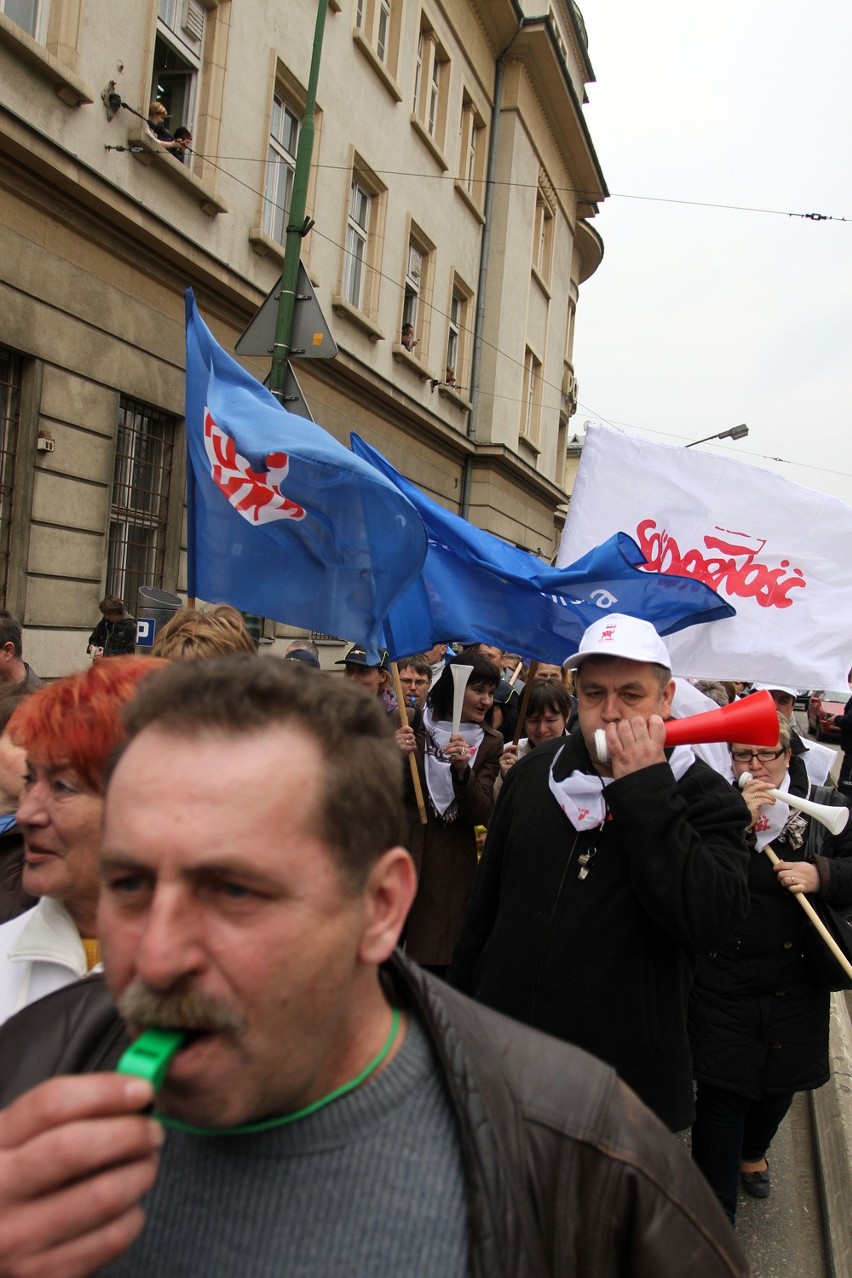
762	756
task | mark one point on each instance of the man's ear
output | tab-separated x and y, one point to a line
388	894
668	697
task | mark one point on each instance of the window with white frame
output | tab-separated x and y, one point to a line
413	281
178	49
363	237
531	406
417	289
280	166
471	149
457	332
30	15
138	527
357	240
377	26
383	29
542	236
431	85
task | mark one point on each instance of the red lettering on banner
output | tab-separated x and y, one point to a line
732	565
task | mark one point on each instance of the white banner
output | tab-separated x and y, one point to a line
779	553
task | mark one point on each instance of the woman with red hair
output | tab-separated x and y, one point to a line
69	730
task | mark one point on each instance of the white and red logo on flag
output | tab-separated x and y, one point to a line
779	553
256	495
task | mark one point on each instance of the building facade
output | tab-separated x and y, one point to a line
451	189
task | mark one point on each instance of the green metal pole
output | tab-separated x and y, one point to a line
297	227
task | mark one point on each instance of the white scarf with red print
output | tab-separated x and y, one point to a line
772	818
439	777
580	795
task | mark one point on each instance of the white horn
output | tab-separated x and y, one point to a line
460	674
834	819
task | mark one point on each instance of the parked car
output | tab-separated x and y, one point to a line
803	696
822	708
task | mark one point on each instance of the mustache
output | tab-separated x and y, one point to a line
187	1009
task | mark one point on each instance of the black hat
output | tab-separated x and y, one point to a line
358	657
302	654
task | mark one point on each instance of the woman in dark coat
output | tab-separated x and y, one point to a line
758	1022
457	774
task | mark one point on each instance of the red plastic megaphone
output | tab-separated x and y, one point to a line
753	720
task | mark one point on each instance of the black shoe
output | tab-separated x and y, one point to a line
756	1183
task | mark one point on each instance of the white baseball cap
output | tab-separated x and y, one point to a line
774	687
620	636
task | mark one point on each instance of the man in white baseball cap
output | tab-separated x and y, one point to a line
602	880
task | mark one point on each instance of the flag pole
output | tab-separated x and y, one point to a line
525	696
815	919
412	761
298	225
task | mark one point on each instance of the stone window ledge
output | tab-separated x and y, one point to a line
342	306
265	246
428	141
541	282
376	63
462	190
404	356
455	395
146	150
70	88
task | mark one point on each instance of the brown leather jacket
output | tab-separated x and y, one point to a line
569	1176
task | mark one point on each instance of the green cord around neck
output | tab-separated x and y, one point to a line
248	1129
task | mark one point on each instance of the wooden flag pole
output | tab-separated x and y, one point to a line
525	696
815	919
412	760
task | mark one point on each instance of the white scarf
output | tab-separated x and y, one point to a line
439	777
772	818
580	795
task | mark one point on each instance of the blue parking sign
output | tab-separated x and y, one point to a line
146	628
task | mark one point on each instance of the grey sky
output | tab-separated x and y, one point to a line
700	318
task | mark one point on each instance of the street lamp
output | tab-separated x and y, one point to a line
733	432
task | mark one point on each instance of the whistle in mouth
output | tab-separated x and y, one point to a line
150	1056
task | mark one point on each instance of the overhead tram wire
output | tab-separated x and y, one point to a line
562	190
504	355
747	452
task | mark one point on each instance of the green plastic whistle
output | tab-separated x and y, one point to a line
150	1056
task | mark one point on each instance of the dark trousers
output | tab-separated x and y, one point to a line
731	1129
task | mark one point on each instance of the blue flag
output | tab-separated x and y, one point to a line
475	586
283	520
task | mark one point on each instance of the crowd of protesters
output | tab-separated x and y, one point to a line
564	867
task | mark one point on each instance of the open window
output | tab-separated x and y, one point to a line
176	72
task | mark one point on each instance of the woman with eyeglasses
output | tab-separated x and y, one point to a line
758	1022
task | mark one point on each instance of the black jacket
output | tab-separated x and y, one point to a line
117	638
758	1024
13	899
606	961
568	1175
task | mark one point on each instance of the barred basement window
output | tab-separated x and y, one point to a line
140	500
10	403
